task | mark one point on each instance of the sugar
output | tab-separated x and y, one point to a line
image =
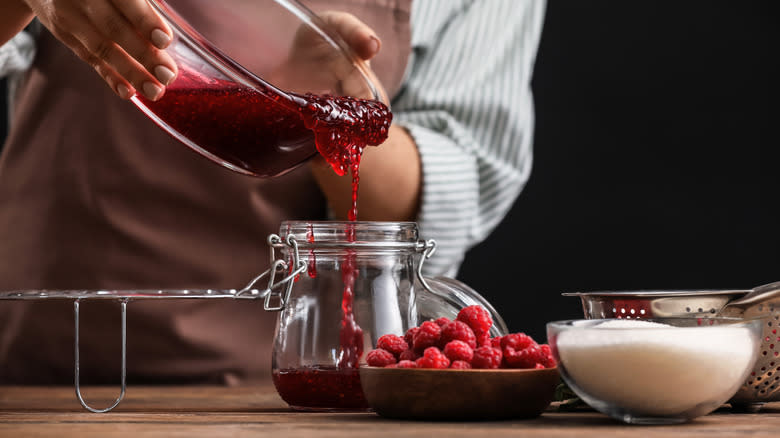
630	323
655	369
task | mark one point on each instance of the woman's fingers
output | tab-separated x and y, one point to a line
99	50
115	81
355	33
119	43
120	39
146	21
364	42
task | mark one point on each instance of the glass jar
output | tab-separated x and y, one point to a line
346	284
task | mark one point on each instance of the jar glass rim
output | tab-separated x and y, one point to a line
342	224
349	233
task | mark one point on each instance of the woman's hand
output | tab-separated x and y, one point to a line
123	40
313	64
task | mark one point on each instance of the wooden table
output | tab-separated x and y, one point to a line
206	411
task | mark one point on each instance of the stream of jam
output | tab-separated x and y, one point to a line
266	134
350	333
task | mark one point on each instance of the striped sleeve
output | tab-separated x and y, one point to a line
467	103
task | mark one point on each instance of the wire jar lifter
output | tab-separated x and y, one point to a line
274	286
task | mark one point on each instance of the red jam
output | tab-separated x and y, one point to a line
320	388
266	133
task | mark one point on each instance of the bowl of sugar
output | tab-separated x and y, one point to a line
655	371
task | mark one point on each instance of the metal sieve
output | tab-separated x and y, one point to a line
763	384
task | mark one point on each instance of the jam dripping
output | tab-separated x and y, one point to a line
343	127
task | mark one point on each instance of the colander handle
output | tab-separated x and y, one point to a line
763	293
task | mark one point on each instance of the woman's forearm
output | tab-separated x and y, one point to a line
14	16
390	181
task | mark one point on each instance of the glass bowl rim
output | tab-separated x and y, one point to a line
237	72
728	321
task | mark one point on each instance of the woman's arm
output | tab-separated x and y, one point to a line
467	104
14	16
460	148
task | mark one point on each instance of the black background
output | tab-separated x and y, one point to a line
656	158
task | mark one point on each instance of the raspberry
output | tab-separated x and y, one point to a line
458	350
548	360
406	364
539	366
433	358
495	342
477	318
409	336
460	365
442	321
427	336
513	346
516	341
408	355
458	331
484	340
486	357
392	343
380	358
527	358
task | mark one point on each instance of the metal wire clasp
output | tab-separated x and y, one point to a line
271	292
428	248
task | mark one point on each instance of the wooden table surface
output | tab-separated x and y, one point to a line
206	411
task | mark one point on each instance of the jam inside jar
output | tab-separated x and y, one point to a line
348	283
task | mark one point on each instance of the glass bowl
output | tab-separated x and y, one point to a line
655	371
238	92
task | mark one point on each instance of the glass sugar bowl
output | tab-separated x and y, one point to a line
341	285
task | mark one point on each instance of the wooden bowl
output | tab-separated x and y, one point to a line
429	394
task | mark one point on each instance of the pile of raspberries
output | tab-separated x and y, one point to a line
461	344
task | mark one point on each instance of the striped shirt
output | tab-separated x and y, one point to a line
466	101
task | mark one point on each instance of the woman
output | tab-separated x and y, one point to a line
93	195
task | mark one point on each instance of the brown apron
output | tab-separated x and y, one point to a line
94	196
